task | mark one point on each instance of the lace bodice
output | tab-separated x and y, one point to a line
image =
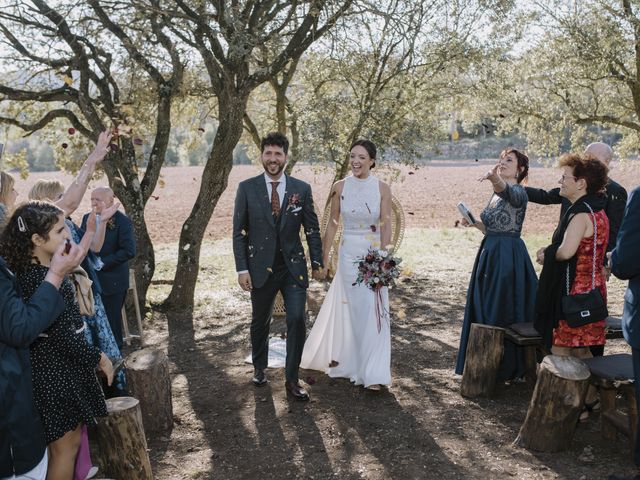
505	211
360	205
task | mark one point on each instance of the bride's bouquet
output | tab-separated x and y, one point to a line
377	269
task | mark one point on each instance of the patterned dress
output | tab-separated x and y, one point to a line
99	331
65	387
503	283
591	333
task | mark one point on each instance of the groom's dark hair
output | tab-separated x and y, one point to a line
275	138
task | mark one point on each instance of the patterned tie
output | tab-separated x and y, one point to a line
275	199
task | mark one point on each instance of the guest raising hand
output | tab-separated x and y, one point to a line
503	282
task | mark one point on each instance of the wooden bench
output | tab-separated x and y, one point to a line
613	374
525	336
613	327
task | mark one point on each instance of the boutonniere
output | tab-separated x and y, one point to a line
294	203
111	223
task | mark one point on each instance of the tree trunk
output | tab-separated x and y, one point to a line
134	194
555	405
148	381
231	108
482	360
123	446
144	262
123	180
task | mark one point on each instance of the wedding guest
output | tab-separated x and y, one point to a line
8	195
614	203
118	248
65	388
625	264
22	441
503	282
572	253
99	332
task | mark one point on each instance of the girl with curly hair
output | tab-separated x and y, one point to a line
66	391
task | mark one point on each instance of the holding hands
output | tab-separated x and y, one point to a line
319	273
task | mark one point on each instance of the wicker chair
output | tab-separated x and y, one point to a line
397	234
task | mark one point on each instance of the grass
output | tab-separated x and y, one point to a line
450	251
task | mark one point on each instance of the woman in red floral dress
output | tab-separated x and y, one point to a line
582	182
582	175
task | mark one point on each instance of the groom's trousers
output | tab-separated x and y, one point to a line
262	299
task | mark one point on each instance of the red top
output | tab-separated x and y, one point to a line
591	333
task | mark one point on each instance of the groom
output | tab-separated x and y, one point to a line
268	213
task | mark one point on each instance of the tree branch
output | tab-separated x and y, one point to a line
50	116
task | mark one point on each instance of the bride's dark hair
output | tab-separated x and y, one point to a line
34	217
369	146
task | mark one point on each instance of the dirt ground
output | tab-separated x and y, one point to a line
420	428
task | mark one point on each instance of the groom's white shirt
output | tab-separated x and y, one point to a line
282	188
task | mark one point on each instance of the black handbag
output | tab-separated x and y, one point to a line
583	308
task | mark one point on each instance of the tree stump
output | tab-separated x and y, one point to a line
482	361
148	381
122	444
556	403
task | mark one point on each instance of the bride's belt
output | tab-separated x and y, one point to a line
359	231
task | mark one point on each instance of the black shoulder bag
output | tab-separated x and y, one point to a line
583	308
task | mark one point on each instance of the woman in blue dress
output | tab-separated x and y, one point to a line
503	282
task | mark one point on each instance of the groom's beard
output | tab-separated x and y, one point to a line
279	168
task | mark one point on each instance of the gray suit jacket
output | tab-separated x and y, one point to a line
255	234
625	264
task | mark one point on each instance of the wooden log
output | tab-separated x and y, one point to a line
556	403
148	381
482	361
122	446
607	405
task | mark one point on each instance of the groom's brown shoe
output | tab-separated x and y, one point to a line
296	390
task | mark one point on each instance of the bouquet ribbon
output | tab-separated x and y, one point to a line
381	312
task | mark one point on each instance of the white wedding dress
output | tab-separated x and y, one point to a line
346	329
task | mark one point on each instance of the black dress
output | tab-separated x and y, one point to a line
65	387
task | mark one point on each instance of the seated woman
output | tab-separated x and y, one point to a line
99	332
66	391
572	250
503	282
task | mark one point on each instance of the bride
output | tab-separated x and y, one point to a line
345	340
